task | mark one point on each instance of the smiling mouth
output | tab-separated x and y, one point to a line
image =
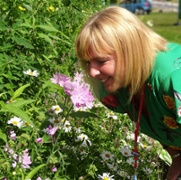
104	80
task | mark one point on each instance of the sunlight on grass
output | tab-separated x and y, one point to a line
163	24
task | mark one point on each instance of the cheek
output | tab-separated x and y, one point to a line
112	69
109	69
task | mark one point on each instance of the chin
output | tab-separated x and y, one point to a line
110	89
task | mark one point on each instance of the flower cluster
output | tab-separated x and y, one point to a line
78	90
23	159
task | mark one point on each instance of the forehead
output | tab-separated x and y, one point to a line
97	54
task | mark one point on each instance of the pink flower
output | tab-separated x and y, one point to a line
54	169
81	96
39	178
77	89
60	79
14	164
78	77
51	130
25	160
12	135
39	140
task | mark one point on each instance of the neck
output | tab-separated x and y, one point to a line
137	96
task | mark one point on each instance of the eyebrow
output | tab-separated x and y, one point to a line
97	58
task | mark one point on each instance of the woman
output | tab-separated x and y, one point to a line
128	64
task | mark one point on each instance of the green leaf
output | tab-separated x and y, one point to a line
19	91
63	40
22	102
64	35
82	114
17	111
6	47
3	136
46	139
26	25
2	25
46	38
55	37
28	7
48	28
34	171
22	42
3	94
163	154
52	85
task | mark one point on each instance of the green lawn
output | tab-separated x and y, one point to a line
163	24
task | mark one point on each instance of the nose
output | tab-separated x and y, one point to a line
94	70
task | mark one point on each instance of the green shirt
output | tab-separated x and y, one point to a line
163	99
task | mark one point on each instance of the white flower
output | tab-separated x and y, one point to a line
131	161
82	137
106	155
112	167
77	130
31	73
148	148
124	142
106	176
126	151
131	136
57	121
67	127
16	121
148	170
111	114
80	108
57	109
85	140
98	104
10	101
122	173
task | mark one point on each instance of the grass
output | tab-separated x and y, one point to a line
163	24
175	1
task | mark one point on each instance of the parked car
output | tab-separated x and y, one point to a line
137	6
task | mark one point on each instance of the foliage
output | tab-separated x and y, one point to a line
43	135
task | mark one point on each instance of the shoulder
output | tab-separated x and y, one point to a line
166	59
166	62
166	72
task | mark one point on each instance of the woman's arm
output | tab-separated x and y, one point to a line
174	170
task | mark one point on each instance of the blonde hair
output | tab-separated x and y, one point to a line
117	31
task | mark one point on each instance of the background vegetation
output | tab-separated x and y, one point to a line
42	134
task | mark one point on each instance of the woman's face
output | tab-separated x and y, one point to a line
103	69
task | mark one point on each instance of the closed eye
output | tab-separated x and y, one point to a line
86	63
101	62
